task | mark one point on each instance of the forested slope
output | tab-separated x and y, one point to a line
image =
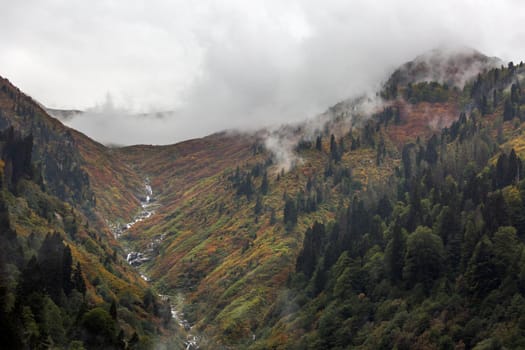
436	262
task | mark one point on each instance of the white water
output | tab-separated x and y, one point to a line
136	259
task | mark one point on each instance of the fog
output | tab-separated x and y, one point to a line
205	66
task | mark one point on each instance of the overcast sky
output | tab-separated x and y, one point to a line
228	63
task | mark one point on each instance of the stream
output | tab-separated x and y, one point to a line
137	258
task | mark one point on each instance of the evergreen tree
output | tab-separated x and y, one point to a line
318	143
482	274
290	212
67	262
508	110
312	245
384	207
264	184
335	153
31	279
273	219
431	154
55	262
424	257
484	106
78	279
395	254
356	143
258	206
515	93
113	309
501	171
495	212
513	168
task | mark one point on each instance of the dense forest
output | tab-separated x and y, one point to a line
434	260
45	299
398	228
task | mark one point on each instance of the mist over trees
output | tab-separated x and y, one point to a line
437	261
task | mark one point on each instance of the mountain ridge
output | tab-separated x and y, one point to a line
233	226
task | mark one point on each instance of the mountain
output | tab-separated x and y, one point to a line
387	221
222	236
63	115
64	282
447	66
74	167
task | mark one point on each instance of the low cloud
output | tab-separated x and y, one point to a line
236	64
282	141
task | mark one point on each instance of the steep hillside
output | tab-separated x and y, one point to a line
451	67
436	263
229	224
74	167
63	114
276	239
62	282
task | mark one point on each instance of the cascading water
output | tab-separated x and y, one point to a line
136	259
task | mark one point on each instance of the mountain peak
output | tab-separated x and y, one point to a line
453	66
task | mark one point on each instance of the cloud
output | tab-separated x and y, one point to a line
228	64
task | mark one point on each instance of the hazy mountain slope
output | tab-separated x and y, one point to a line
63	115
223	242
452	67
75	168
437	263
228	225
63	283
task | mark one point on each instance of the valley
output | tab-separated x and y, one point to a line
393	219
138	258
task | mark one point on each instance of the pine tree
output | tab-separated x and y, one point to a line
484	107
318	143
273	219
258	206
424	257
508	110
394	254
264	184
515	92
513	168
67	262
501	177
113	310
384	207
51	257
290	212
481	275
334	149
431	154
78	279
31	279
312	246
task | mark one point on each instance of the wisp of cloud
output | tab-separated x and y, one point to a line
233	64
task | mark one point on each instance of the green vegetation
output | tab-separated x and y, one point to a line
427	92
436	261
46	297
404	230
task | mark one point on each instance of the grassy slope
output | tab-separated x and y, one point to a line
110	185
115	279
291	325
87	247
229	264
82	168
